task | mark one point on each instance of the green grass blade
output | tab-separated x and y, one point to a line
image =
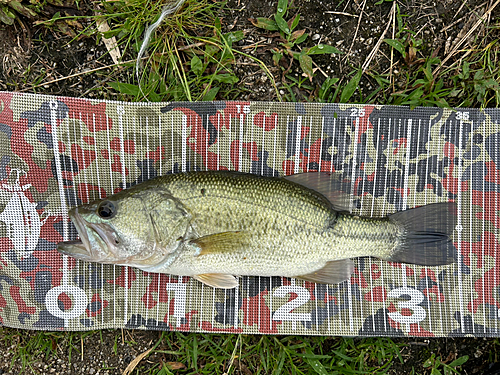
351	87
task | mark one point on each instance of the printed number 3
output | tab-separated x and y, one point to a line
416	297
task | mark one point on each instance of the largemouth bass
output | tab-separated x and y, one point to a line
217	225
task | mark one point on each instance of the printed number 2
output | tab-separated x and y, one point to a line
357	112
284	312
416	297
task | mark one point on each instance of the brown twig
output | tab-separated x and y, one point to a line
342	13
392	53
199	44
461	7
79	74
132	365
374	51
357	29
462	18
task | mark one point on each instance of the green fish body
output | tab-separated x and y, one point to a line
214	225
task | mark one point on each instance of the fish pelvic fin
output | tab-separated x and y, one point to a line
426	238
333	272
222	242
218	280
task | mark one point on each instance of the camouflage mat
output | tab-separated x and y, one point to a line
59	152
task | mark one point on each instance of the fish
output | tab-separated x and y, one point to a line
216	226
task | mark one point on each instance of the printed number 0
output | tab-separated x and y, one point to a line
284	312
416	297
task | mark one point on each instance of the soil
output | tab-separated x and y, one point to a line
109	353
56	56
53	57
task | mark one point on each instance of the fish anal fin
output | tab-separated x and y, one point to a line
218	280
328	185
222	242
333	272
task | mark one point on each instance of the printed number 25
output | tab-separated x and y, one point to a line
357	112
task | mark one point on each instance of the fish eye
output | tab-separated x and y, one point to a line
106	210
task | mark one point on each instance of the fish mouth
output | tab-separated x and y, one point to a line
80	248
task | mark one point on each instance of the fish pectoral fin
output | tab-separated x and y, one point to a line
333	272
222	242
218	280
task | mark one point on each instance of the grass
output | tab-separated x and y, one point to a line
191	58
190	353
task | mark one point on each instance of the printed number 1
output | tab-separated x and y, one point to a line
246	109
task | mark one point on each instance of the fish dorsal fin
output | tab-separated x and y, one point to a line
333	272
222	242
218	280
326	184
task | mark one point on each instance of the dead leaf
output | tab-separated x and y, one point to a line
175	365
74	23
297	34
411	55
131	366
110	43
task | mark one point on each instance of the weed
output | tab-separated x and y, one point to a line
200	69
290	38
9	9
438	367
477	80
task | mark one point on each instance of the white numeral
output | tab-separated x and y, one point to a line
179	301
246	108
357	112
416	297
79	301
284	312
463	116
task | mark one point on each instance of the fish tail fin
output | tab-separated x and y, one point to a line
427	232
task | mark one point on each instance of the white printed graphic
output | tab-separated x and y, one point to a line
21	219
179	301
79	300
416	298
284	313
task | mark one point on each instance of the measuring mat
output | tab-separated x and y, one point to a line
57	153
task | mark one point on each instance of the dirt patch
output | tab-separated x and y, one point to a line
354	28
37	54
